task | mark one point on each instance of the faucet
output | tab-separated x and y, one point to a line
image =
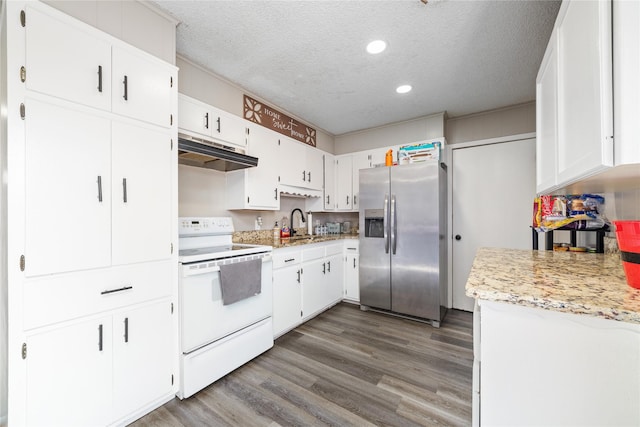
293	231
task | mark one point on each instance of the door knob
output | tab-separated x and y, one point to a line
458	237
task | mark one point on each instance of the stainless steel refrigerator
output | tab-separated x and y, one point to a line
403	249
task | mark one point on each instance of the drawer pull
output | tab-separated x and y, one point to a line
289	260
111	291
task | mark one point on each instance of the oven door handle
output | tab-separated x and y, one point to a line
187	271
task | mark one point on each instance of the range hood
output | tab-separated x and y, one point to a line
212	155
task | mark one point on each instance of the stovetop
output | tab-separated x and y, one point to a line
210	238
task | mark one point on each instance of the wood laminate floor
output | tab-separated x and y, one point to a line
346	367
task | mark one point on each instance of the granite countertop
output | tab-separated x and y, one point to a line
305	239
579	283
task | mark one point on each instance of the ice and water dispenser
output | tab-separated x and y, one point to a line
374	223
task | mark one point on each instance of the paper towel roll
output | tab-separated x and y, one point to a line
309	223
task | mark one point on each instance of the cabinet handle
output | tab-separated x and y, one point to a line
309	178
100	78
124	190
99	188
100	337
112	291
218	124
126	329
289	260
324	268
304	175
329	266
355	198
206	121
126	86
276	193
298	276
328	202
354	263
347	200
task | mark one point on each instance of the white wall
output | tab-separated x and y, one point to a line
3	221
392	134
201	84
513	120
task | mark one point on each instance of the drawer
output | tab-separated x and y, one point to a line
58	298
313	253
334	249
351	245
285	258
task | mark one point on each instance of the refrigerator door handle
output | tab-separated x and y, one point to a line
385	220
394	224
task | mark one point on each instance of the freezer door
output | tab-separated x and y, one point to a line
374	269
415	260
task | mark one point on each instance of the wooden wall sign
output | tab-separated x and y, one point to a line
272	119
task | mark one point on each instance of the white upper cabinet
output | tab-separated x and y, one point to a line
141	88
585	103
547	117
67	200
204	120
626	81
360	161
256	187
141	201
301	166
344	176
82	71
329	200
91	71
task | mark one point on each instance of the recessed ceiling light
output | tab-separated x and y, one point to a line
403	89
376	46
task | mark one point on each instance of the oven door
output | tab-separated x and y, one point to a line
204	319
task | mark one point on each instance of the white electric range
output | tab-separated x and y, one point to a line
225	301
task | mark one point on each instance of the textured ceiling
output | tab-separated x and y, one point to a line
308	57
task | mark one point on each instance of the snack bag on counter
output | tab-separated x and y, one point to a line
578	212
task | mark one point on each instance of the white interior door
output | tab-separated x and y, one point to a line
492	197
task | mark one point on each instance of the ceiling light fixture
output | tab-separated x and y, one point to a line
403	89
376	46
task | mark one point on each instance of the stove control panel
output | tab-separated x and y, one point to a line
204	225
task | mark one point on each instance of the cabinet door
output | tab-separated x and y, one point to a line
351	278
69	375
67	190
314	294
228	128
585	118
195	116
82	62
344	175
334	279
143	352
546	118
293	168
314	168
141	194
142	87
329	182
262	185
359	161
287	298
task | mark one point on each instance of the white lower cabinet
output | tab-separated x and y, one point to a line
287	291
97	371
68	381
306	281
351	271
541	367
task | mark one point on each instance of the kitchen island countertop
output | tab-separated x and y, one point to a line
578	283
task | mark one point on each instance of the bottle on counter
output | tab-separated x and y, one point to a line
276	232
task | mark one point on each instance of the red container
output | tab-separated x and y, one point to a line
628	234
